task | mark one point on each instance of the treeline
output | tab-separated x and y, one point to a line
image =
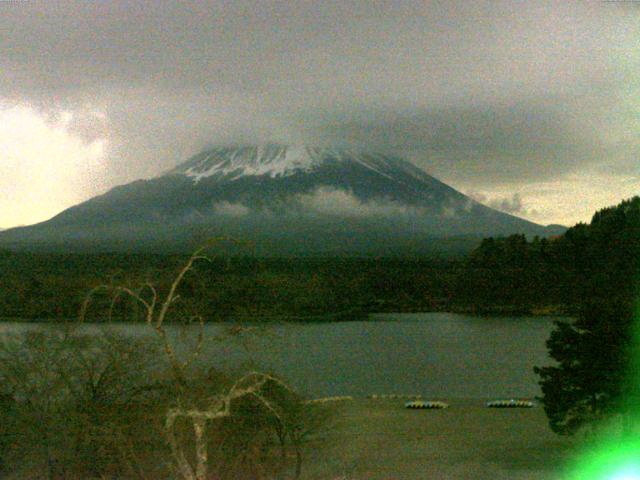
502	275
50	286
593	380
589	262
53	286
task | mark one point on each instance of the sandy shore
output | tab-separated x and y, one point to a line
380	439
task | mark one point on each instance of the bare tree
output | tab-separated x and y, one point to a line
67	395
218	407
200	412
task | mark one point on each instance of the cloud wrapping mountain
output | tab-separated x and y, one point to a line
289	200
492	96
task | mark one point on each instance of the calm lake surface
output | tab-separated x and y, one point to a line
432	354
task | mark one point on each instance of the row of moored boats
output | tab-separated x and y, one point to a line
511	403
416	402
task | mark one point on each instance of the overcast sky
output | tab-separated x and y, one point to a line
531	107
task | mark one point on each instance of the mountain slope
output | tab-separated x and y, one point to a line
290	200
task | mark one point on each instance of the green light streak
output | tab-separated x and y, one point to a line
612	459
615	454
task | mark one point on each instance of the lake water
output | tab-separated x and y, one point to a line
432	354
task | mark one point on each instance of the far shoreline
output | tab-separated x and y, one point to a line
350	316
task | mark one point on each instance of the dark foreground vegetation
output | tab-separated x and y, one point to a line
502	275
597	375
76	406
81	407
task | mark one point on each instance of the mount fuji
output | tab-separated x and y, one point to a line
288	200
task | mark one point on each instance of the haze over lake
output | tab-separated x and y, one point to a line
432	354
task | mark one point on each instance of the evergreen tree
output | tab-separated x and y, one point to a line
594	355
597	354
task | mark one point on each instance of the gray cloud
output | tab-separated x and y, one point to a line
328	201
231	209
527	138
513	204
509	205
478	93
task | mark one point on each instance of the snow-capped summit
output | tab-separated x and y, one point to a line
289	200
235	162
273	160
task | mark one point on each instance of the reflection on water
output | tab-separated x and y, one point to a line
433	354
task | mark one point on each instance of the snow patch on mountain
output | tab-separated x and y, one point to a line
232	163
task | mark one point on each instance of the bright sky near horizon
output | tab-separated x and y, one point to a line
529	107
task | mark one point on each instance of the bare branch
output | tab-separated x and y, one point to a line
267	404
149	305
199	428
171	296
199	342
133	295
220	407
117	293
114	300
87	300
183	465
